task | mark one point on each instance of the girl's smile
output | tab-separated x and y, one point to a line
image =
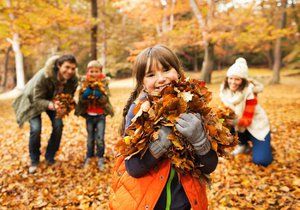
158	78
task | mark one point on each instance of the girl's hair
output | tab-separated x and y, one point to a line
158	54
64	58
244	84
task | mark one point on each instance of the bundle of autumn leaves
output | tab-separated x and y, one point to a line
94	84
163	109
67	103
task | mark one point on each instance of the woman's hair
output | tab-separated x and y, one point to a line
158	54
64	58
244	84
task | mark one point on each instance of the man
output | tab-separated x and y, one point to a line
57	76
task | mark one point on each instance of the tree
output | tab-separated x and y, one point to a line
204	24
94	29
15	42
104	33
35	35
6	62
277	48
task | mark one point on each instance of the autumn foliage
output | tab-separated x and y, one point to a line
163	109
67	104
93	84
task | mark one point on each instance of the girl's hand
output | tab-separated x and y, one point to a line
160	146
190	126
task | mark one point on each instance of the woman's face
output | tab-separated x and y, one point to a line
156	79
234	83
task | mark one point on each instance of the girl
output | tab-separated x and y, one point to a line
239	94
95	113
150	181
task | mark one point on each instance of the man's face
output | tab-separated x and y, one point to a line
66	70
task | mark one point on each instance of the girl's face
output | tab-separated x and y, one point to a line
234	83
158	77
94	72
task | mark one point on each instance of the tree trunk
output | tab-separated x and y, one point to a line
15	42
158	31
277	62
124	19
208	63
295	14
19	61
164	25
104	41
269	56
195	60
172	15
6	64
94	29
277	48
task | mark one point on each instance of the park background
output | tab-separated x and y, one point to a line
207	36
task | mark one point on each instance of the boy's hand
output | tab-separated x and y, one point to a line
88	91
97	94
190	126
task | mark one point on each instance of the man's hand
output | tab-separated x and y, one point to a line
54	105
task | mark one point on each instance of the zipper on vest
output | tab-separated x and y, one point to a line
169	194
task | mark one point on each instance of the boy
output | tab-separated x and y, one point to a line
94	105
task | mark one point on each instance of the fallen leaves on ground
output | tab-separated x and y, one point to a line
236	184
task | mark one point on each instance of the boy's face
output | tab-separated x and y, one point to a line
158	78
94	72
66	71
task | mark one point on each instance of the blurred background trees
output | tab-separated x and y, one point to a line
207	35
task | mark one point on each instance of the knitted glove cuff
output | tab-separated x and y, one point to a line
158	148
202	147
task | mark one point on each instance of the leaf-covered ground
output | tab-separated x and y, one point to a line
236	184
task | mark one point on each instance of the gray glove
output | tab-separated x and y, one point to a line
190	126
161	145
